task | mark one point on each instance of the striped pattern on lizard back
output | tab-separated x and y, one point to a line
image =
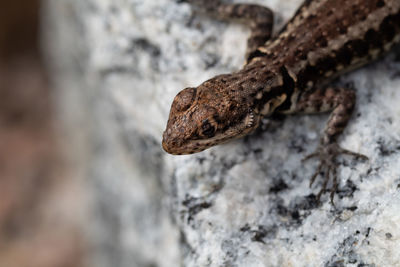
317	45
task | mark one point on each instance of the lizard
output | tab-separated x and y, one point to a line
287	73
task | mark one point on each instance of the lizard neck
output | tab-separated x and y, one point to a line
267	87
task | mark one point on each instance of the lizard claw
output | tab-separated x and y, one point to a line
327	167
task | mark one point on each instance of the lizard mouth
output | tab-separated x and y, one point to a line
191	146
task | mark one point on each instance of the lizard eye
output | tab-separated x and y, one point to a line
184	99
207	129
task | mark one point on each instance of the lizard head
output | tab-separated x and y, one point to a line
205	116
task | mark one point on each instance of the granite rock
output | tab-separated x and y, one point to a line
118	66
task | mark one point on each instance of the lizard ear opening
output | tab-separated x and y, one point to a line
184	99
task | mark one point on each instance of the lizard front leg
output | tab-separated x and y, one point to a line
258	18
341	101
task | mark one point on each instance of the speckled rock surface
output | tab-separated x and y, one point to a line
119	64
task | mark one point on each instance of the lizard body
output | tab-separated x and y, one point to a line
288	73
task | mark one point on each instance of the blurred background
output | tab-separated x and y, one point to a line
41	203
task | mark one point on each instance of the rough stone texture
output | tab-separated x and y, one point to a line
119	64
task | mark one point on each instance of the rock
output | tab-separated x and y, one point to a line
118	66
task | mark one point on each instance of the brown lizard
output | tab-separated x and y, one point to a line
287	73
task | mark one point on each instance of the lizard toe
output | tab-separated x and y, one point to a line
327	168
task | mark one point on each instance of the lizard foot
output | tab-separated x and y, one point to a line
327	167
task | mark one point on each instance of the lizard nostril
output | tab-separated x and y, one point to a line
165	146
